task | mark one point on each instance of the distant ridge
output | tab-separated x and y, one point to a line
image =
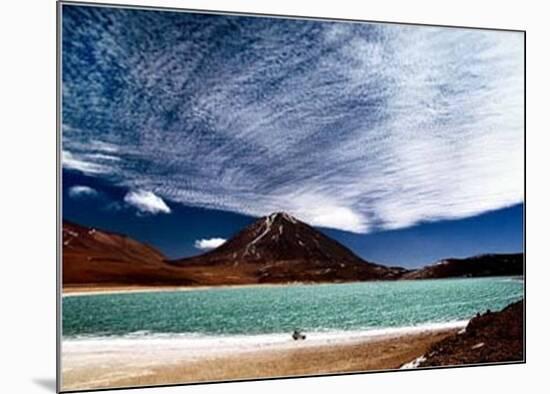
476	266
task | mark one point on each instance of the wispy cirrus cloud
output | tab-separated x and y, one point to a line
351	126
146	202
75	162
209	243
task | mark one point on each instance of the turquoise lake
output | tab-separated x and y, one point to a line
281	309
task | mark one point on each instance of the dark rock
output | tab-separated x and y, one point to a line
489	338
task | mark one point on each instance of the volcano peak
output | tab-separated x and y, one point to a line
282	216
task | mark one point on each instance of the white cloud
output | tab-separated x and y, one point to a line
342	218
101	157
82	191
209	243
74	162
391	125
146	202
314	208
103	146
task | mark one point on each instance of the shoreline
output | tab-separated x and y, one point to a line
73	291
96	363
87	290
237	342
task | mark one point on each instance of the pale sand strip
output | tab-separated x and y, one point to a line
95	290
105	366
86	291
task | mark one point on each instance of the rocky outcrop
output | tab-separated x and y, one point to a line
492	337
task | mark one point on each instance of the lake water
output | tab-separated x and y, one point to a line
325	309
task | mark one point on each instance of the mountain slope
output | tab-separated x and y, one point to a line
477	266
95	257
279	248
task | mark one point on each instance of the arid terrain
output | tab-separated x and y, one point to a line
275	249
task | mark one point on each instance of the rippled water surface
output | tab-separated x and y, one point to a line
280	309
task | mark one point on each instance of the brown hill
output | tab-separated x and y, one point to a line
477	266
101	258
488	338
278	249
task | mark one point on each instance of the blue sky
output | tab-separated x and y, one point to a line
405	143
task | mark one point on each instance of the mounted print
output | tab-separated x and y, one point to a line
255	197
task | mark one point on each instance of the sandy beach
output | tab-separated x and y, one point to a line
134	361
95	290
69	291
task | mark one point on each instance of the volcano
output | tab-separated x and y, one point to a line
279	249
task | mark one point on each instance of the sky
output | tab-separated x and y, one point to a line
404	143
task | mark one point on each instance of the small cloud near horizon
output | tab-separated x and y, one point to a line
79	191
209	243
146	202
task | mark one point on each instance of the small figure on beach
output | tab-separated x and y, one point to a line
297	335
